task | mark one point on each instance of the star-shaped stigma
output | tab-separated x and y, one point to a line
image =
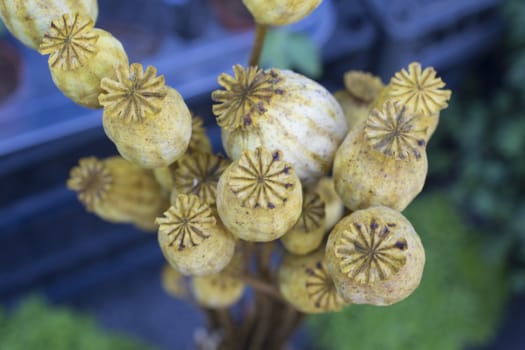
393	132
245	97
187	222
134	94
91	180
70	42
199	174
261	179
420	91
370	252
321	289
313	212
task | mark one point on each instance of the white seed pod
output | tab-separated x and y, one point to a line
280	109
192	240
375	257
80	56
259	197
280	12
29	20
149	122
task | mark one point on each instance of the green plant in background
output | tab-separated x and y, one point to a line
287	50
35	325
481	140
458	302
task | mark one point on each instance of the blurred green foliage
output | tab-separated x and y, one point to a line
34	325
288	50
459	301
479	142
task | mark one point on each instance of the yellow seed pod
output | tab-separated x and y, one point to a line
363	86
173	282
29	20
383	161
375	257
222	289
421	92
118	191
280	12
191	239
305	283
199	174
307	234
80	56
259	197
149	122
334	206
279	109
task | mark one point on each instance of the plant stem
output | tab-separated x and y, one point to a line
260	34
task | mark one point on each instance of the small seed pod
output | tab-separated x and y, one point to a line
305	283
334	206
279	109
80	56
259	197
199	174
173	282
383	161
307	234
420	91
29	20
375	257
191	240
118	191
149	122
220	290
361	90
280	12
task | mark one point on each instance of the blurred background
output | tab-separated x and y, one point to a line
69	280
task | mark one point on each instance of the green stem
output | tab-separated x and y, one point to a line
260	34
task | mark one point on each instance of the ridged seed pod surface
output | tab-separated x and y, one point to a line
29	20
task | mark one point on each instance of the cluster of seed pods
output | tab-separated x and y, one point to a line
342	237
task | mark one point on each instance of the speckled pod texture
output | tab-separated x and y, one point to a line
375	257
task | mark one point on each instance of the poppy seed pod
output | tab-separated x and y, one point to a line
280	109
80	56
259	197
149	122
280	12
375	257
29	20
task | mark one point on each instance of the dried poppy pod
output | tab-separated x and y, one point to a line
199	143
279	109
361	90
375	257
383	161
149	122
222	289
118	191
333	205
421	92
29	20
305	283
259	197
280	12
80	56
199	174
307	234
191	239
173	282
